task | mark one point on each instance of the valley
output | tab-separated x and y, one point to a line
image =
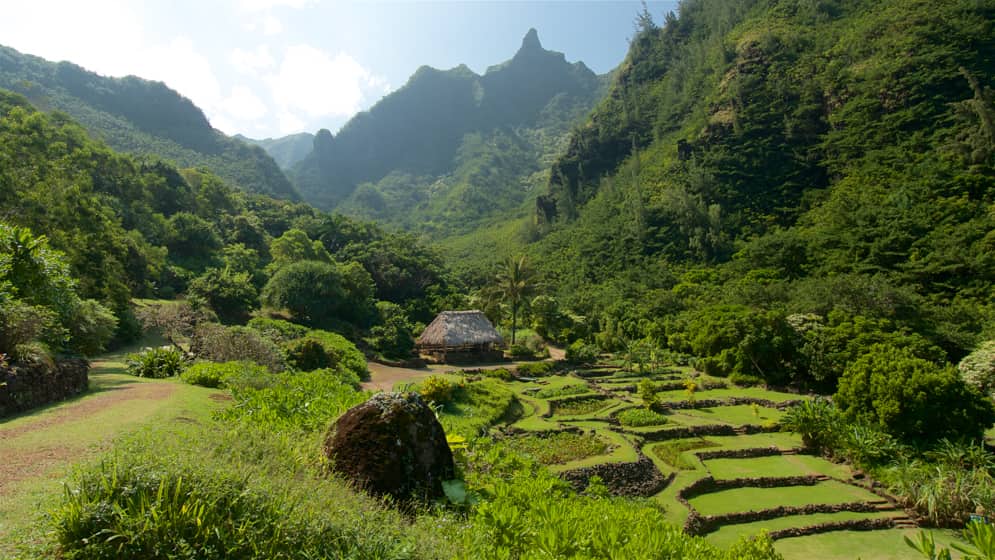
731	296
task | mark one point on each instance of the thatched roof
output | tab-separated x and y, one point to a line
460	328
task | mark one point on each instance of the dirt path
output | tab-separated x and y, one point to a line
81	410
383	378
36	444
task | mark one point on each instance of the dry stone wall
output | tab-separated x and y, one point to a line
27	386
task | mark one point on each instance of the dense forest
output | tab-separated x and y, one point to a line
142	118
142	228
764	243
766	177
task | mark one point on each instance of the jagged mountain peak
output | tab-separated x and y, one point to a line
531	41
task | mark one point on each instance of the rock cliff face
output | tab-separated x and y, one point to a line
391	445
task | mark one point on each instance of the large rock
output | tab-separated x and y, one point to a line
391	445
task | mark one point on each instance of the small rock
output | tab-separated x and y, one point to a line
391	445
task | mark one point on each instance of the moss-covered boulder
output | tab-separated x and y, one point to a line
391	445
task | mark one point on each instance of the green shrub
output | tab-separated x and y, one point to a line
137	508
978	368
578	407
475	407
91	327
566	390
672	452
818	422
211	374
636	417
277	330
579	352
319	293
155	363
323	349
647	392
393	335
746	380
534	515
231	295
912	398
520	351
498	373
536	369
560	447
218	343
437	390
305	401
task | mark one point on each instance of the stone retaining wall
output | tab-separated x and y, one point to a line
632	479
708	484
698	524
731	401
698	431
852	525
27	386
748	453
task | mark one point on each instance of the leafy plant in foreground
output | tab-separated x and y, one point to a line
155	363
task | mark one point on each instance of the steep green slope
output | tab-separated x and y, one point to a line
451	149
142	117
286	150
801	157
145	229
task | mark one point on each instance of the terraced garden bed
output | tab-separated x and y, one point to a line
740	499
579	406
731	533
560	447
781	465
590	423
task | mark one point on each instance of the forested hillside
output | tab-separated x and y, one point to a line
145	229
451	148
286	151
768	174
142	117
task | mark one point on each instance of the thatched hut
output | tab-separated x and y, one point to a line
461	336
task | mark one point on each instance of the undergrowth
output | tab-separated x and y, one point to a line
558	448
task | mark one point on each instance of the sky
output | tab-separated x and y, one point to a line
268	68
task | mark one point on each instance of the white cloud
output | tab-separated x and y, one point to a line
99	35
243	104
265	5
271	26
252	62
184	69
312	83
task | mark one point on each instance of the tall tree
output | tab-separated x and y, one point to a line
514	284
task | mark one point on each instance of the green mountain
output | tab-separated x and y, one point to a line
286	150
142	117
452	148
833	158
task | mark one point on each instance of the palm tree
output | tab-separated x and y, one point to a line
514	284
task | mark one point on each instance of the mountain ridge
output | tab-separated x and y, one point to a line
409	160
142	117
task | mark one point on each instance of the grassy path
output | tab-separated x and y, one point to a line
40	447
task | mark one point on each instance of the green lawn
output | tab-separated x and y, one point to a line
787	465
756	392
51	439
867	545
729	534
742	499
781	440
736	415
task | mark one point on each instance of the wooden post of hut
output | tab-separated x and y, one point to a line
461	337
